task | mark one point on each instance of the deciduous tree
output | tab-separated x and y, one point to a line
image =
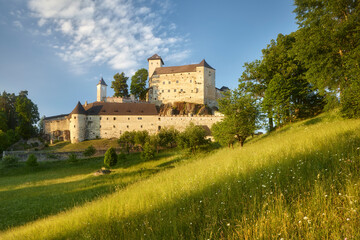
138	84
120	86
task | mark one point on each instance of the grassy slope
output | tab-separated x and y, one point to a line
102	144
298	183
29	193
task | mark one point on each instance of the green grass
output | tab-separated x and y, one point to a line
30	193
301	182
66	146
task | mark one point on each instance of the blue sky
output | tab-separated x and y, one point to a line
59	49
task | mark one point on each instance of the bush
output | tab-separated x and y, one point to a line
9	161
192	138
89	151
121	157
32	161
72	158
148	153
110	158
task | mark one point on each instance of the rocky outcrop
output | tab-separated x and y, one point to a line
184	108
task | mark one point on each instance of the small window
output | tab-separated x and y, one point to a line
162	90
192	90
159	119
155	99
139	118
174	90
128	118
159	128
107	118
100	126
114	118
181	90
127	126
190	81
100	118
169	82
163	82
74	117
74	126
169	90
140	126
113	126
177	81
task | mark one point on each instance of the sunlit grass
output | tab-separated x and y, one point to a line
301	182
66	146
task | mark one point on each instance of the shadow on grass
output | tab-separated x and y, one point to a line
218	211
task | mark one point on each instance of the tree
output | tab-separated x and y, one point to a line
168	136
241	115
28	115
119	85
328	43
138	84
127	140
141	137
223	134
278	80
192	138
110	157
148	152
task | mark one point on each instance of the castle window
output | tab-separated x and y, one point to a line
139	118
100	126
141	126
181	90
155	99
163	82
169	82
107	118
192	91
159	128
113	126
174	90
190	81
127	126
177	81
74	117
74	126
162	90
159	119
100	118
128	118
114	118
169	90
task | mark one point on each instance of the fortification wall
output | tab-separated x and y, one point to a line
209	87
178	87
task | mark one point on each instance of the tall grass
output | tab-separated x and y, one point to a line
298	183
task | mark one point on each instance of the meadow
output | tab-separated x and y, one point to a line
300	182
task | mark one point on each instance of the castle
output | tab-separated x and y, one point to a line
109	117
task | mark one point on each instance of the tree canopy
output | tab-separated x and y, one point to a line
138	84
120	86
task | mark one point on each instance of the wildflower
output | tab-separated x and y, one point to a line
306	218
348	219
228	224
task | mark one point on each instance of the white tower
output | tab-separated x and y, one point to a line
101	91
154	62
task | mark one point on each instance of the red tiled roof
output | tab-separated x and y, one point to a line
155	57
107	108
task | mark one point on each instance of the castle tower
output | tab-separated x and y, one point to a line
101	91
77	124
154	62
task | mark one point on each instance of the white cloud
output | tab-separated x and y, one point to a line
18	24
112	32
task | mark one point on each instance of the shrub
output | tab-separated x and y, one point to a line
192	138
148	153
110	158
72	158
9	161
32	161
89	151
121	157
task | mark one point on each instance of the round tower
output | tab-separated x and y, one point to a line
77	124
101	91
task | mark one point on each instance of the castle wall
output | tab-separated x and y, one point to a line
57	128
110	126
178	87
209	87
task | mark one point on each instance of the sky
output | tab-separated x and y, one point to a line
58	50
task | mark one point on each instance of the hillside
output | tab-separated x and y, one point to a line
300	182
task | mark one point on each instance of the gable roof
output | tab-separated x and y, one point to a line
181	69
107	108
102	82
155	57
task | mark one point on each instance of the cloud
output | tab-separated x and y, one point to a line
18	24
118	33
